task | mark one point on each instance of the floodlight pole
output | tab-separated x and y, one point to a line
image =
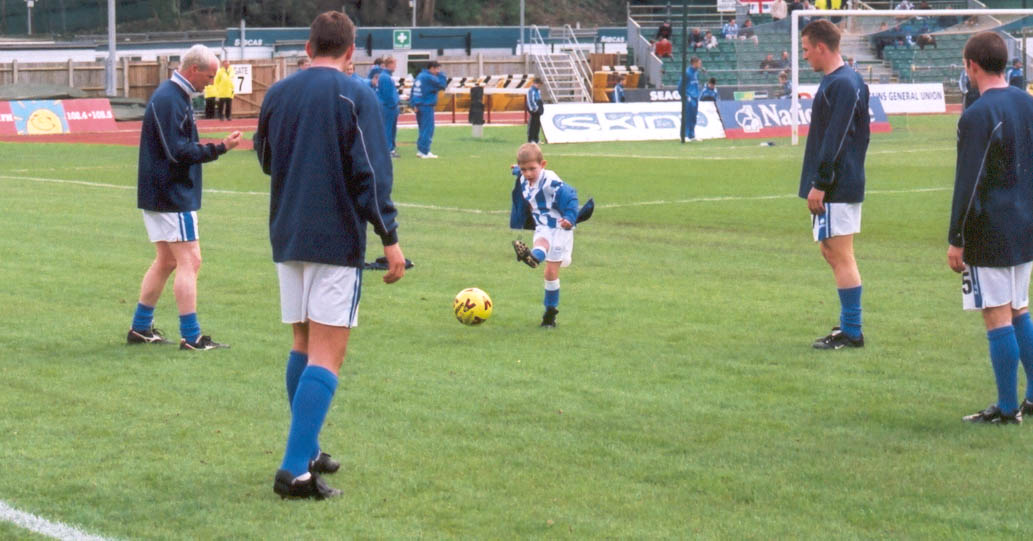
794	36
111	73
521	26
28	14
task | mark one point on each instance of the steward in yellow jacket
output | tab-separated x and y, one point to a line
224	80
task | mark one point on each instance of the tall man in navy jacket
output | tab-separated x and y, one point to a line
387	93
832	179
321	139
424	97
991	226
169	194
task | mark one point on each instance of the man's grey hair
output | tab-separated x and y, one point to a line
199	56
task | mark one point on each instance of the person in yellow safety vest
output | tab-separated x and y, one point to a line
209	101
224	90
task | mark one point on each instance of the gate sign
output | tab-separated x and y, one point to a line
241	78
401	38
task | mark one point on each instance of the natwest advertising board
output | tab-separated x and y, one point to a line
773	118
39	117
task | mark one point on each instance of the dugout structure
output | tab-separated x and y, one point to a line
857	21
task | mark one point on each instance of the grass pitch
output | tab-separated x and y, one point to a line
679	396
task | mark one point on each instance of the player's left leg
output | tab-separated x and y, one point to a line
552	293
316	387
297	361
1004	358
188	265
839	253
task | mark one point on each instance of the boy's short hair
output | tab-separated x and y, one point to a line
530	152
433	64
378	61
987	49
694	59
331	34
712	80
822	31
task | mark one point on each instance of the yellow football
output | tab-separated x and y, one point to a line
472	306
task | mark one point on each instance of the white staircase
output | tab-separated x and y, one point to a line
562	67
867	63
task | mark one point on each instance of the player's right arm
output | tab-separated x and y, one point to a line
175	130
973	145
842	100
371	176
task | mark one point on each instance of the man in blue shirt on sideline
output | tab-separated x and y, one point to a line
425	90
169	194
320	139
1014	75
689	90
991	227
387	93
535	107
832	178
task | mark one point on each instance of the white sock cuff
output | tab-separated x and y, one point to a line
552	285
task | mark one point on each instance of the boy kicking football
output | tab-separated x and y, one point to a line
543	202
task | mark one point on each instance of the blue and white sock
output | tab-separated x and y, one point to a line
552	293
1004	357
189	328
850	311
1024	336
143	318
538	254
315	391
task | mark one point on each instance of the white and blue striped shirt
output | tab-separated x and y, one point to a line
550	199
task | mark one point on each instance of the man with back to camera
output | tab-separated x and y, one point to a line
169	194
832	178
991	227
321	139
387	93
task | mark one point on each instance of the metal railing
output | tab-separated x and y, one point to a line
577	57
557	86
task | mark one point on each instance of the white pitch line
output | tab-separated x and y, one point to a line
42	526
709	199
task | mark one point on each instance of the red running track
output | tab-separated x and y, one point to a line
129	132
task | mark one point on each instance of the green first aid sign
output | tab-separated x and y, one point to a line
402	39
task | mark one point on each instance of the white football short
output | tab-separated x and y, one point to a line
327	294
561	243
840	219
987	287
171	226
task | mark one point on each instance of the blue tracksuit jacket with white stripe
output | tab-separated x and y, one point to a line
321	139
837	142
169	170
992	211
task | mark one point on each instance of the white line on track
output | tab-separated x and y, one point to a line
482	211
42	526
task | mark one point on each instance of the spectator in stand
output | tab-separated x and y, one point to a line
785	62
663	48
785	88
710	91
924	5
696	39
748	33
850	63
769	64
730	30
709	40
946	21
905	5
663	31
794	6
779	10
1014	75
926	40
969	90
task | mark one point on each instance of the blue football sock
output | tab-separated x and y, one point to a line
850	311
1024	336
143	318
538	254
311	403
552	293
1004	356
189	328
296	363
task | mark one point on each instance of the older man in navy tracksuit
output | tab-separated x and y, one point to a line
169	194
425	90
